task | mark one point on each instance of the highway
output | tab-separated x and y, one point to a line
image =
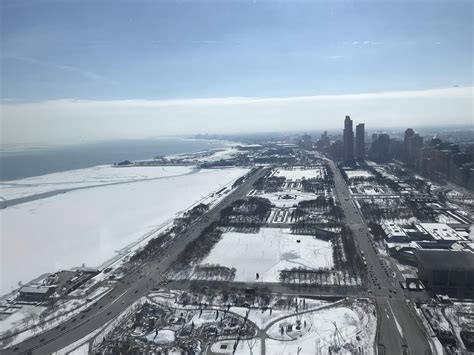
398	329
128	290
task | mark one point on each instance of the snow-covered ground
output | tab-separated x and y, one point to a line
214	155
65	310
88	226
268	252
244	347
98	175
355	324
17	318
358	173
298	173
287	198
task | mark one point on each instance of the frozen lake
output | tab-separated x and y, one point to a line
88	226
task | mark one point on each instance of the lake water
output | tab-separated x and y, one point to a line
18	163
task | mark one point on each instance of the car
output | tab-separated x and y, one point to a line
43	339
63	328
108	313
73	320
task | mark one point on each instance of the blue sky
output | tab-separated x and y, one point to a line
166	50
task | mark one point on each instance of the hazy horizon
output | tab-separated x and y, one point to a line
85	70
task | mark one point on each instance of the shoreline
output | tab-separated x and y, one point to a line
137	228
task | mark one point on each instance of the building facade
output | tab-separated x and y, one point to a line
360	142
348	141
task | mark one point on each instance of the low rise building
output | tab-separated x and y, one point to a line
394	233
440	232
446	270
35	293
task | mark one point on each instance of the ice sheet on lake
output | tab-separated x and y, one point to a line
88	226
98	175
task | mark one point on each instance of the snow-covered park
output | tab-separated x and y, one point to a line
298	173
90	225
315	327
351	174
346	329
287	198
268	252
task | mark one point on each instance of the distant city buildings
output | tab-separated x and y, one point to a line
305	142
433	158
360	142
324	142
438	159
337	150
348	141
380	148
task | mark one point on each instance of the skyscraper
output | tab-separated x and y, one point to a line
360	142
408	134
348	141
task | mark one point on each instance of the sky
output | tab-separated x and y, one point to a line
99	69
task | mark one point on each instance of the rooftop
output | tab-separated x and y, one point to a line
393	230
440	231
35	289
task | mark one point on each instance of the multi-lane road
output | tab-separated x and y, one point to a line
132	287
398	330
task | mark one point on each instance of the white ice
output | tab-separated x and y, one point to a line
88	226
97	175
297	173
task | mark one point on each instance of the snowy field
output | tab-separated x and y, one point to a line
287	198
208	156
298	173
88	226
98	175
268	252
358	174
356	325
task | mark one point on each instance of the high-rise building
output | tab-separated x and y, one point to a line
408	134
360	142
414	145
348	141
336	150
306	142
324	142
380	148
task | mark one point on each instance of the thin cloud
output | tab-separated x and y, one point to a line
71	120
335	57
66	68
365	43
